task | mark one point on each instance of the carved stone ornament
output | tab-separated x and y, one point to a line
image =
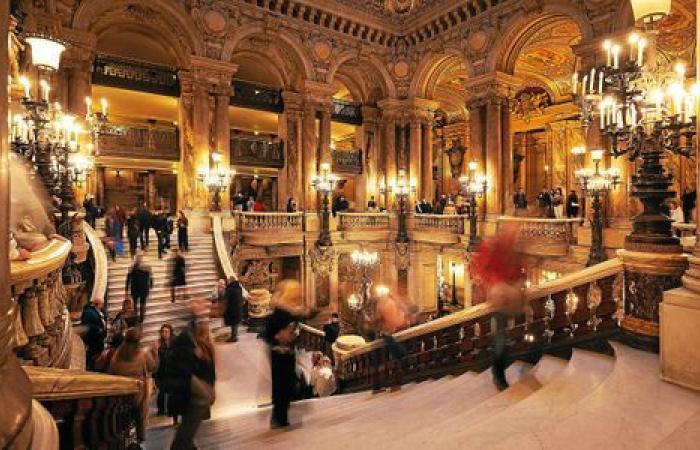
403	255
401	69
322	259
214	21
257	273
322	50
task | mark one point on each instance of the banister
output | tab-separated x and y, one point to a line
41	263
312	330
588	275
62	384
99	286
220	246
536	220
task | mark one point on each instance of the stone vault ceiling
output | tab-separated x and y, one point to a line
393	9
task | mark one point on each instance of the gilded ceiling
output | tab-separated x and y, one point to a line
677	32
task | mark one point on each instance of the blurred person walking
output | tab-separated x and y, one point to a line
165	341
191	375
145	218
280	334
178	272
139	282
94	320
132	233
183	242
497	271
235	296
131	360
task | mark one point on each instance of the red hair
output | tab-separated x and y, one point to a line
497	260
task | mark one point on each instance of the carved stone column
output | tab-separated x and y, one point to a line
151	190
100	172
223	134
427	184
325	133
293	114
389	126
368	186
415	159
309	157
15	389
490	133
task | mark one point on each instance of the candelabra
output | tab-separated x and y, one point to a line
362	261
217	180
402	189
324	183
473	187
642	114
597	183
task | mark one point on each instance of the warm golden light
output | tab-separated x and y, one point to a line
46	53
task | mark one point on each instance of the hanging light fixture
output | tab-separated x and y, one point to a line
650	11
46	51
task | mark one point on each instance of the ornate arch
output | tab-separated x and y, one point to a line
431	67
288	51
168	20
516	32
375	77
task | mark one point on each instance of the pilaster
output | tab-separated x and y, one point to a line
291	183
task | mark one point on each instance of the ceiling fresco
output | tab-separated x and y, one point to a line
677	32
547	59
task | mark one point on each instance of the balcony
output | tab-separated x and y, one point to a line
347	161
135	75
152	141
256	96
258	151
269	228
544	237
437	228
365	226
347	112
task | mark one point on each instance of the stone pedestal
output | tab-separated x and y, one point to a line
647	276
680	334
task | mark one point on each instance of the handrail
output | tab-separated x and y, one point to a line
348	221
49	383
535	219
220	246
312	330
41	263
567	282
452	223
99	285
256	221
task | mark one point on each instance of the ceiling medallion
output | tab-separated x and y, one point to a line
400	6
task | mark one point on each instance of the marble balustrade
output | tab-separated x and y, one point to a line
42	324
453	224
364	221
269	221
543	237
580	307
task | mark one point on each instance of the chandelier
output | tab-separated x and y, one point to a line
642	111
400	6
364	258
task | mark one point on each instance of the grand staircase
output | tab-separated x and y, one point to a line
591	401
202	275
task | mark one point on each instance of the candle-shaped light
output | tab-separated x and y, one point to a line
679	68
585	85
607	46
601	77
633	40
641	45
633	109
44	86
616	56
574	83
592	81
24	81
103	102
603	107
88	106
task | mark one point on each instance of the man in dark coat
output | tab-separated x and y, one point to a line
332	329
234	303
94	338
143	215
139	283
688	200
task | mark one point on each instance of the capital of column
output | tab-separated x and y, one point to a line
370	115
491	88
319	96
216	75
293	102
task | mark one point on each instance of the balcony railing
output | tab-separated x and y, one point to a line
576	308
364	221
453	224
42	334
347	112
258	151
153	141
135	75
544	237
256	96
271	221
347	161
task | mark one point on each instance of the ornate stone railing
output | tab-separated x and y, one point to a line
580	307
91	410
259	151
312	340
439	223
99	258
363	221
135	75
544	237
347	161
220	246
347	112
42	323
271	221
256	96
155	141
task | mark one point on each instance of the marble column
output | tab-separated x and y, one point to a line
309	157
223	136
415	158
79	85
293	114
477	135
389	129
494	157
15	389
325	133
427	184
369	144
100	173
151	193
507	143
